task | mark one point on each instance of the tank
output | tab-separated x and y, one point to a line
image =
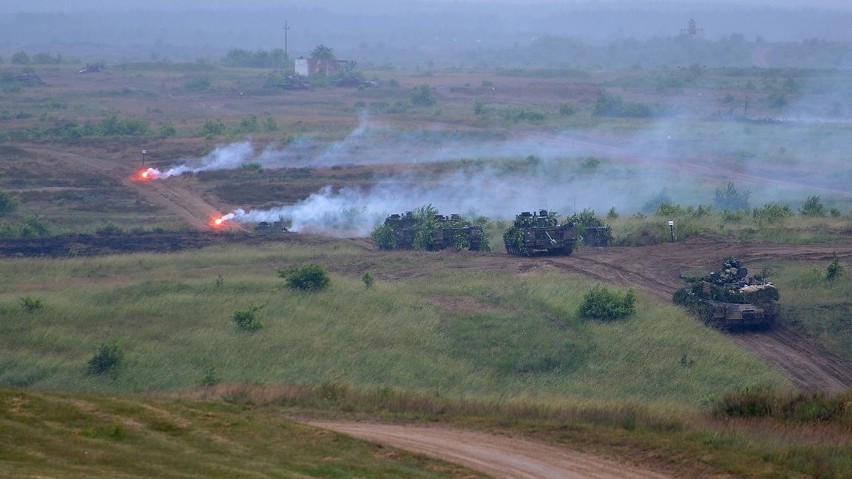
731	299
438	233
404	228
270	227
539	234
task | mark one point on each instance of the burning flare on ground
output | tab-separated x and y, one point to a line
148	174
221	221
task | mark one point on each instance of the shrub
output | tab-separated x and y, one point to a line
812	207
608	105
210	378
612	214
247	319
108	358
30	304
423	95
802	406
367	278
567	109
308	277
601	303
384	238
480	108
772	213
213	127
168	129
109	229
588	219
834	269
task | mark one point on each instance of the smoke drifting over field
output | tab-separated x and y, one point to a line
500	174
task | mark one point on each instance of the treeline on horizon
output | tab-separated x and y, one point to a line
449	35
545	53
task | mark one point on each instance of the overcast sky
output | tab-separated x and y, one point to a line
7	6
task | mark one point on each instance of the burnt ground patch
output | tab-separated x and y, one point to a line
143	242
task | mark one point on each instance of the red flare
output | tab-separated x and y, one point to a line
146	174
218	222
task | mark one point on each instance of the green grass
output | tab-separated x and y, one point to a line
653	228
820	307
75	435
458	333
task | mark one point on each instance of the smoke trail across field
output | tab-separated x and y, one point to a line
227	157
493	192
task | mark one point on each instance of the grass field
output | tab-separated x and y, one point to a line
462	333
436	338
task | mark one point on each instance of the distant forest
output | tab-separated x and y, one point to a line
447	35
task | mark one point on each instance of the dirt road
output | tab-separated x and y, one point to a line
497	456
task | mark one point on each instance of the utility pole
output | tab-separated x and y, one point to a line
286	27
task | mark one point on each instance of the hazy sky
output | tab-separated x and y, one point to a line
360	5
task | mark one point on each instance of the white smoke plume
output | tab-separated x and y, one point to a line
227	157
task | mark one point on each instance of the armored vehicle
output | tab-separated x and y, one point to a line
533	234
731	299
273	227
436	233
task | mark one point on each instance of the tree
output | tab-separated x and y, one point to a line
322	52
423	95
812	207
21	58
729	198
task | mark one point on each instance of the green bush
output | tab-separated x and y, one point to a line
308	277
601	303
567	109
384	238
423	95
247	319
772	213
834	269
802	406
213	127
368	280
30	304
812	207
210	378
168	129
108	358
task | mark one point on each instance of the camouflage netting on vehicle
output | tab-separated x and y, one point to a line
730	297
427	230
539	233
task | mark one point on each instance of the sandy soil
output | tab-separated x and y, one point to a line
497	456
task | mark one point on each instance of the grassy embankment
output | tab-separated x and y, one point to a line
84	435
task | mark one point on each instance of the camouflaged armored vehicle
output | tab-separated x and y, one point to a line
731	299
539	234
436	233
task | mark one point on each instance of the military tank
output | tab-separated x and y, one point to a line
731	299
539	234
434	233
